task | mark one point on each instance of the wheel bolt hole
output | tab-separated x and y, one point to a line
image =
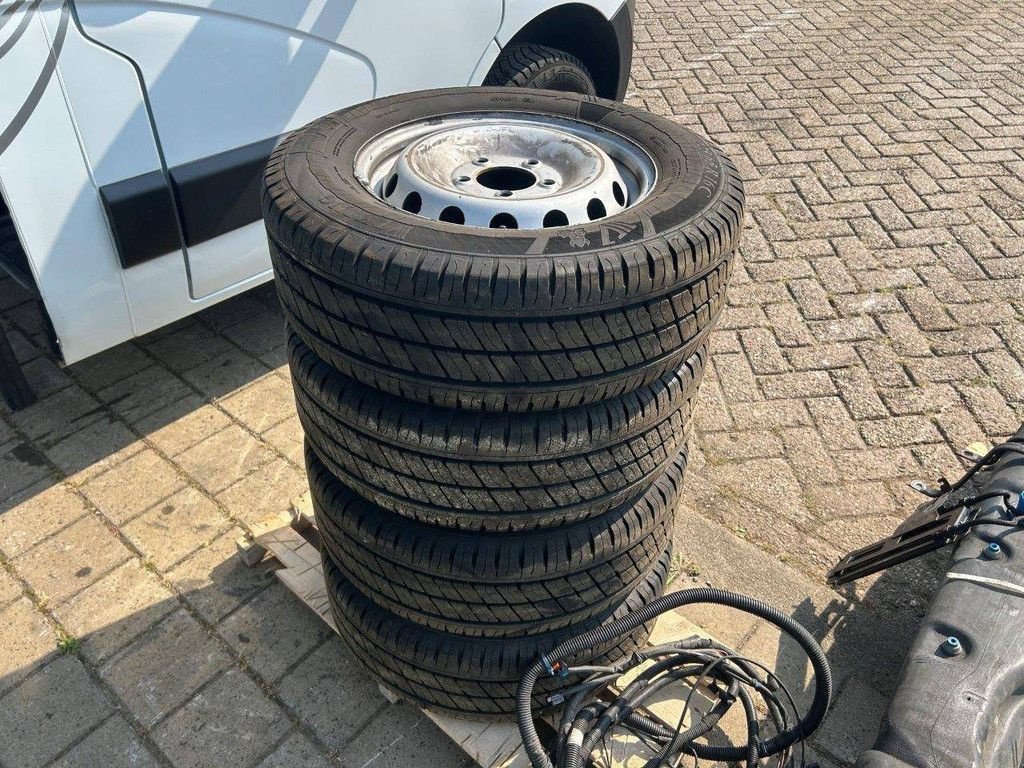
532	162
505	193
548	182
461	179
481	160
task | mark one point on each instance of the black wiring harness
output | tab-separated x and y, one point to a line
593	708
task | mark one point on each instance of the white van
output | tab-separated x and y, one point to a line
133	134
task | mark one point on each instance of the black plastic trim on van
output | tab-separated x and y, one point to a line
220	193
142	217
212	195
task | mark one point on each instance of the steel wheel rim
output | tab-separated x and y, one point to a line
503	170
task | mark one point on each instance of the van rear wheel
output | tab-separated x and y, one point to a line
538	66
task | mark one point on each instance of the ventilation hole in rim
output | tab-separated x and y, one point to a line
596	209
620	196
453	215
555	218
413	202
392	183
504	221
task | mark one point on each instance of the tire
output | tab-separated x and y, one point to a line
471	677
538	66
493	585
492	471
500	319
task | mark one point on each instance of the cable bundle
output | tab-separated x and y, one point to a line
591	711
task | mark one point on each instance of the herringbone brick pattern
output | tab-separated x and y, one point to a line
875	319
876	323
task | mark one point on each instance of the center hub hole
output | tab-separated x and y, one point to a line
506	177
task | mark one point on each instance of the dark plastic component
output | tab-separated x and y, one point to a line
931	527
622	23
966	710
142	219
220	193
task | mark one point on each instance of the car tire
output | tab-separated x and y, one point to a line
499	584
492	471
474	677
500	319
538	66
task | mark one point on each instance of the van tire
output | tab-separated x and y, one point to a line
492	471
475	677
498	584
527	65
500	319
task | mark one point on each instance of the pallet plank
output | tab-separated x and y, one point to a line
490	744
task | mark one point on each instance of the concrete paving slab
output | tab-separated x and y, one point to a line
261	494
101	444
72	559
214	582
28	641
853	721
10	589
297	751
41	511
263	403
113	744
176	527
229	722
181	425
119	494
21	466
321	691
400	736
273	631
219	460
115	610
165	667
61	695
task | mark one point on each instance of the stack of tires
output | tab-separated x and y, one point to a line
495	417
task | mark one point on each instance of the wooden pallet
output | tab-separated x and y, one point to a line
292	538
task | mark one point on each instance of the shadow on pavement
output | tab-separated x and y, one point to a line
866	639
91	413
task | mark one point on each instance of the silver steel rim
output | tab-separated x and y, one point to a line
502	170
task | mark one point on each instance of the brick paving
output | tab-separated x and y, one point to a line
874	327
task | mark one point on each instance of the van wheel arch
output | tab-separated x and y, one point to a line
604	46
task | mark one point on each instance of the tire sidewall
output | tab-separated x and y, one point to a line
562	76
318	164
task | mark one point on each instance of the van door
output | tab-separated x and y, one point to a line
226	78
